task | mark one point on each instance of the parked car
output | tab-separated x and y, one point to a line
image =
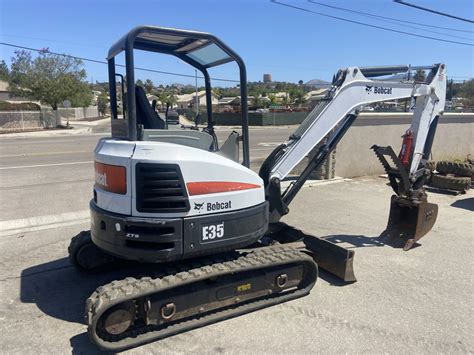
173	117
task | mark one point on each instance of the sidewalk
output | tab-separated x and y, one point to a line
78	128
89	123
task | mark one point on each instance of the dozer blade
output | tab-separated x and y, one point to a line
332	257
408	221
329	256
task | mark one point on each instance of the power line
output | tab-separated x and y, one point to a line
54	41
433	11
395	19
119	65
373	26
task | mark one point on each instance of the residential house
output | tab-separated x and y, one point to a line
189	100
313	97
5	93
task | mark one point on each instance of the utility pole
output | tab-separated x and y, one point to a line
197	97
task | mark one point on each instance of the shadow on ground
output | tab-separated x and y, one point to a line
356	241
467	204
362	241
81	344
60	291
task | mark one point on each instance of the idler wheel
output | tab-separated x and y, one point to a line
119	318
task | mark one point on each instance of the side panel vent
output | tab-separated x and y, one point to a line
160	188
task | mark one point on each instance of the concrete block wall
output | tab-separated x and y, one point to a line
454	139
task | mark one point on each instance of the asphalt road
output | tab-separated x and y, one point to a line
36	170
404	302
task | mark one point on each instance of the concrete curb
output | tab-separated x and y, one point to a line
89	123
315	183
48	133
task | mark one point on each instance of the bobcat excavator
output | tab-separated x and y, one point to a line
173	196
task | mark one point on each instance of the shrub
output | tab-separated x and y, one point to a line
21	106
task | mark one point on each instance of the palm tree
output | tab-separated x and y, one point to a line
300	98
256	102
273	99
148	86
168	98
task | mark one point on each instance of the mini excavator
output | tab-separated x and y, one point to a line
173	196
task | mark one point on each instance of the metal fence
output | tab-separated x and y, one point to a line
78	113
46	118
27	120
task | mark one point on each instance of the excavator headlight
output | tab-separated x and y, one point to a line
111	178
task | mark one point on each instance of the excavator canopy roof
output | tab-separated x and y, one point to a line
193	47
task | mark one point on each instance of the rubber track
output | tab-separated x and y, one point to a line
130	288
77	242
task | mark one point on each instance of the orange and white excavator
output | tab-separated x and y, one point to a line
174	197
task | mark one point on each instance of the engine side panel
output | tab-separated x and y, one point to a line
200	166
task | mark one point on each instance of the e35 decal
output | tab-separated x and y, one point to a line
212	232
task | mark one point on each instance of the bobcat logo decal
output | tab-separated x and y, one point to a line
198	206
368	88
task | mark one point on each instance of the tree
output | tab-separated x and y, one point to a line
102	101
217	92
257	102
4	71
167	98
148	86
299	98
139	83
419	75
467	89
49	78
273	99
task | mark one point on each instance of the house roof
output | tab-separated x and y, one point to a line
280	94
228	100
191	97
318	93
151	97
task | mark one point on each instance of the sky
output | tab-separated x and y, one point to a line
287	43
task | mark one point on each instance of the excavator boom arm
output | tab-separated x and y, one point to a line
349	93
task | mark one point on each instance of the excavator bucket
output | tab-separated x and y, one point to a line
408	221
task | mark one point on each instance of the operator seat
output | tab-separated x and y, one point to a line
146	116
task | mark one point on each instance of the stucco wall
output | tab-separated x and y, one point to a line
454	139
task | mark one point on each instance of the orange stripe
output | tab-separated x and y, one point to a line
111	178
214	187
